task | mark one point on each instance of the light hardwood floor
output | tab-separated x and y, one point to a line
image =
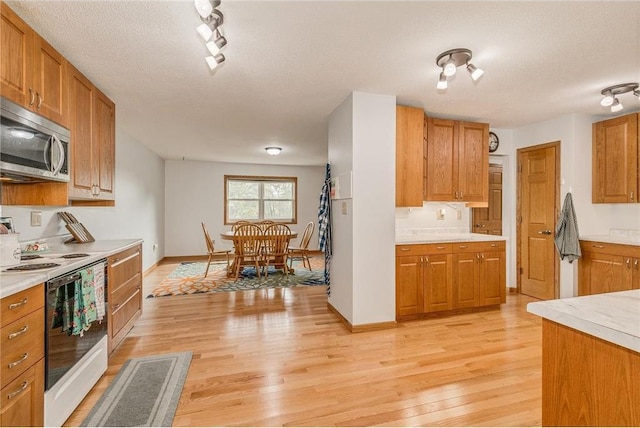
279	357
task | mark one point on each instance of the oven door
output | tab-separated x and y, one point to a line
63	349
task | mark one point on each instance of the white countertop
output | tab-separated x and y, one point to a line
612	239
428	238
11	283
614	317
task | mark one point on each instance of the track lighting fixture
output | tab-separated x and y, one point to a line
450	60
610	95
212	19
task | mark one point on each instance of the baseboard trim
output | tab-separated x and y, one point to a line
361	328
152	267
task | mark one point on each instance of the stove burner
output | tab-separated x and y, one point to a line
33	266
30	257
74	256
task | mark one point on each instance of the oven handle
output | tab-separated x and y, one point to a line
59	282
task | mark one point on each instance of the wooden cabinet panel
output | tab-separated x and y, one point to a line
457	161
615	160
22	400
15	52
437	280
49	80
409	156
125	293
466	292
22	345
409	295
20	304
606	268
492	280
104	128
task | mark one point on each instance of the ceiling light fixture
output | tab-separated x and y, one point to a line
212	19
273	151
610	94
450	60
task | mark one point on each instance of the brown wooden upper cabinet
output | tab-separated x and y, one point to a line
92	125
409	156
615	160
457	161
32	72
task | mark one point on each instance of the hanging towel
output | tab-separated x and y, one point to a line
85	303
566	237
325	243
98	285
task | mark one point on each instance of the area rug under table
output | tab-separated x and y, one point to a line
188	278
145	393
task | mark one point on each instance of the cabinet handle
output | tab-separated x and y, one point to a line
494	245
628	263
477	256
635	264
32	97
598	246
20	361
401	249
426	259
20	303
631	195
461	195
22	387
39	101
462	246
440	247
19	332
482	256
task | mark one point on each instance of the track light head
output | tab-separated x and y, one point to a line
449	68
214	61
616	106
474	71
442	82
607	100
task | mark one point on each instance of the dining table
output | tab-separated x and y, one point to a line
228	236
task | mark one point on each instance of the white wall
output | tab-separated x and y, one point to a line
139	210
426	216
362	140
574	133
194	193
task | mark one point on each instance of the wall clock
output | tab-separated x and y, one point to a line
494	142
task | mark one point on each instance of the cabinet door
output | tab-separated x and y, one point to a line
22	400
81	127
615	160
409	292
437	280
442	160
15	58
491	280
409	156
473	161
125	293
635	281
104	138
609	273
465	280
49	80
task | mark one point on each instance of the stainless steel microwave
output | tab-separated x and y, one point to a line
32	148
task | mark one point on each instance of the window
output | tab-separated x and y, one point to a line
260	198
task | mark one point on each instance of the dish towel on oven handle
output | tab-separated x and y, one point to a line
85	312
98	285
566	237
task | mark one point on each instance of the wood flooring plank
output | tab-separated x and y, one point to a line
279	357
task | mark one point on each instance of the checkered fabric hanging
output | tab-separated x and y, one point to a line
324	227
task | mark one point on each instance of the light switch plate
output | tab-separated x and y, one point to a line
344	208
36	218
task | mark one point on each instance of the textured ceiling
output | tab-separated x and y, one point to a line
289	64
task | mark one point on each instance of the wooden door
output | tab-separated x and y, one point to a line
538	169
409	156
49	80
473	161
615	160
492	279
81	126
409	294
489	220
465	280
437	280
442	158
15	58
104	145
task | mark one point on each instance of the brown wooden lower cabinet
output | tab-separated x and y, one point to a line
441	277
606	267
587	381
22	362
125	293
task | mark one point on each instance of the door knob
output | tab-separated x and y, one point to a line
544	232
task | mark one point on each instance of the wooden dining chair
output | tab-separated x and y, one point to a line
238	223
301	252
263	224
211	251
275	245
247	242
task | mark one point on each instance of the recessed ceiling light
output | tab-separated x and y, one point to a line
273	151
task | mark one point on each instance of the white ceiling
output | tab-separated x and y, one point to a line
289	64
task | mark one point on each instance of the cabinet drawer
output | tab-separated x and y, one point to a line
613	249
22	345
124	266
124	312
422	249
22	303
478	247
125	290
22	401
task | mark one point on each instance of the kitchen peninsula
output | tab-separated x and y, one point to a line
591	359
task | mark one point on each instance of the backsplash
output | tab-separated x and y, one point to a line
426	217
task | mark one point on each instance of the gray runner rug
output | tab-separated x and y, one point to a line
145	393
